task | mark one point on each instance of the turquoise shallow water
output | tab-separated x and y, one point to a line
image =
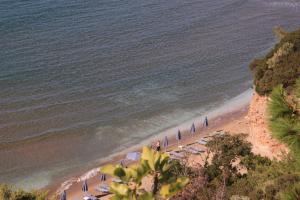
82	80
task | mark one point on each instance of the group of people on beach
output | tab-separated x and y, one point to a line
156	145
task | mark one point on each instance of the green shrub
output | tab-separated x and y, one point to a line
221	173
280	66
226	150
5	192
10	193
251	162
181	168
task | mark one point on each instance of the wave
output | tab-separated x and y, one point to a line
67	184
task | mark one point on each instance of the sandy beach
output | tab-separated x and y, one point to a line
249	119
234	122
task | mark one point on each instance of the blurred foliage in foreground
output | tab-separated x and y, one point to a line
153	165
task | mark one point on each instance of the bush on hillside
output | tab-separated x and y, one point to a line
220	174
226	150
280	66
10	193
268	180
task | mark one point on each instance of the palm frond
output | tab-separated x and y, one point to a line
278	106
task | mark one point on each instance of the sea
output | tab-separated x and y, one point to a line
81	80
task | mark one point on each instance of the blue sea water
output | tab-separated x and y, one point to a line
80	80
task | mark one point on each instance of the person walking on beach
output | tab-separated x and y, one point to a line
205	123
157	145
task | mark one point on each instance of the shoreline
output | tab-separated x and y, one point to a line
218	119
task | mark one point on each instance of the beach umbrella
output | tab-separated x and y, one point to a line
122	163
193	129
102	177
178	136
63	195
85	187
205	123
166	142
